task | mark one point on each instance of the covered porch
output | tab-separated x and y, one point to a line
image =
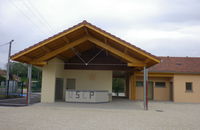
84	58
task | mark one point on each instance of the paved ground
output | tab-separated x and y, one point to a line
35	98
117	115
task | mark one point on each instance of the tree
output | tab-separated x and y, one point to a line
21	70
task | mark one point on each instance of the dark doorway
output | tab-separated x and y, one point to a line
59	89
150	90
119	84
171	91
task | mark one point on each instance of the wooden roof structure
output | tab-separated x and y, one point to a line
83	37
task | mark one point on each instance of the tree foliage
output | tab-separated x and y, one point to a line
118	84
21	70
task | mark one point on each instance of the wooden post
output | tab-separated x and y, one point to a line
132	86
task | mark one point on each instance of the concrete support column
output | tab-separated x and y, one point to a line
29	84
145	89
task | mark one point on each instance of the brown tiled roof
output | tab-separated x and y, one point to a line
177	65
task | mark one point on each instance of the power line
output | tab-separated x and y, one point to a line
40	15
27	17
29	6
4	44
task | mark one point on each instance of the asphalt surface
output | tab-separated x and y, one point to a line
35	98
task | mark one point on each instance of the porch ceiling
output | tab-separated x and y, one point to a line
83	37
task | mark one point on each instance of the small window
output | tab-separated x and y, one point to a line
139	83
160	84
188	86
71	84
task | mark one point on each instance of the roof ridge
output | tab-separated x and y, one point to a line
176	57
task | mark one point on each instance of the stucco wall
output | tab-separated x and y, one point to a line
90	79
180	94
85	79
159	94
49	74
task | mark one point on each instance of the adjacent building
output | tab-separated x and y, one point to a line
174	78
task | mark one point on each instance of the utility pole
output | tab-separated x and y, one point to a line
8	67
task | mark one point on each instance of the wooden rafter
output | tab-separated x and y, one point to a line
66	39
86	31
60	50
128	58
26	58
46	49
47	41
121	42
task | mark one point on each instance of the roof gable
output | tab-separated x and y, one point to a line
83	33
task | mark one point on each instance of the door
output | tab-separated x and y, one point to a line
71	84
171	91
150	90
59	89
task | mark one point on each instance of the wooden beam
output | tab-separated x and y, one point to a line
146	61
66	39
122	43
62	49
105	40
61	57
132	87
128	58
26	58
47	41
86	31
46	49
134	64
125	50
151	74
38	63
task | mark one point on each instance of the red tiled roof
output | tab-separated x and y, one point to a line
177	65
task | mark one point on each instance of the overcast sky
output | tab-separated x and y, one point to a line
161	27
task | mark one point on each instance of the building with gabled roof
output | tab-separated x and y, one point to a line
79	64
174	78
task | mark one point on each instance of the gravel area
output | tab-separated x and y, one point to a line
117	115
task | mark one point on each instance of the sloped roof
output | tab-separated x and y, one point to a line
190	65
59	40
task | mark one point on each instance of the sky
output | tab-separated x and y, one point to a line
161	27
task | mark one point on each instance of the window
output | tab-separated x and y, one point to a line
71	84
139	83
188	86
160	84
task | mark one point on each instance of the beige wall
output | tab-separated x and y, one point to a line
49	73
91	79
85	79
159	94
180	94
